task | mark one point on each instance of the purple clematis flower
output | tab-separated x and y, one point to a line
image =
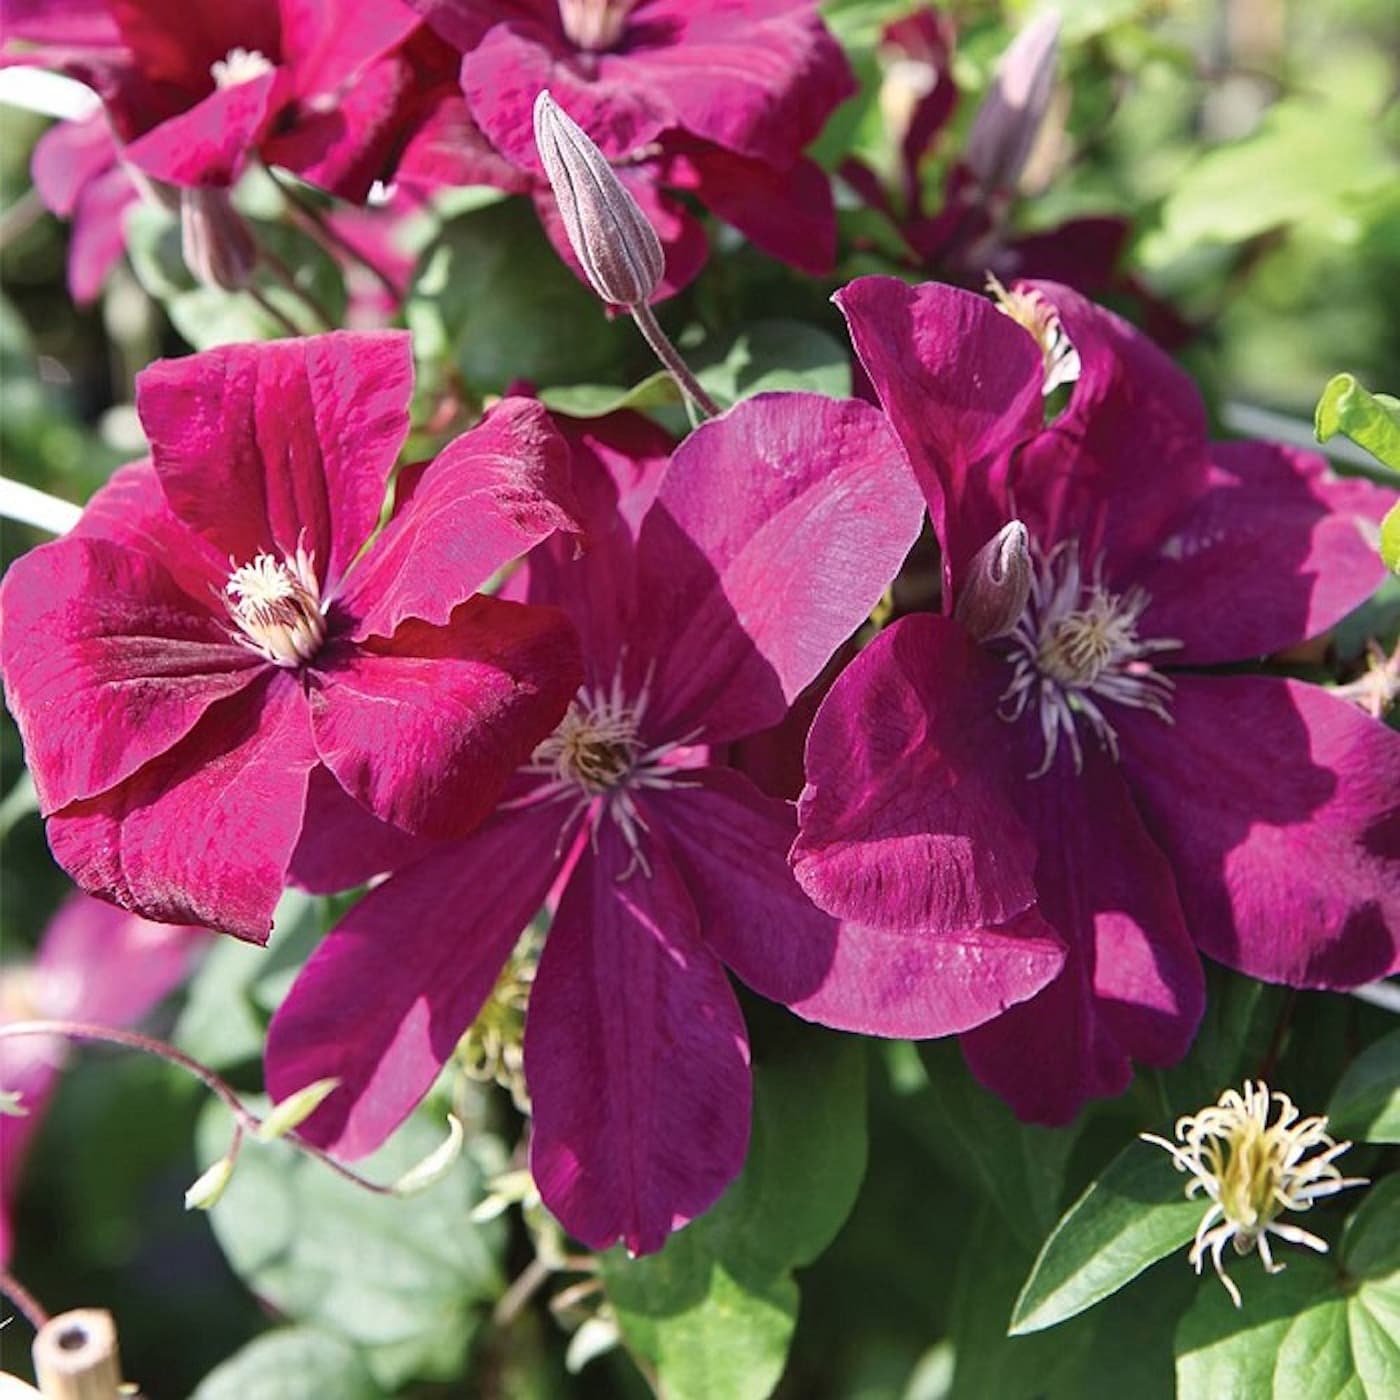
195	88
95	964
717	98
710	594
215	632
1090	765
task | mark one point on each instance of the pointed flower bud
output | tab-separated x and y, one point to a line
998	584
435	1165
1009	118
617	248
294	1110
218	246
205	1193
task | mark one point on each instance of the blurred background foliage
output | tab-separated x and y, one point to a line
1253	145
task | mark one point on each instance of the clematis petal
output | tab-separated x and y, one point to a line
262	447
204	833
730	843
107	664
1274	552
328	43
211	142
343	844
962	385
67	157
486	498
382	1003
97	239
425	728
635	1054
1113	469
907	821
785	210
773	535
1276	803
178	41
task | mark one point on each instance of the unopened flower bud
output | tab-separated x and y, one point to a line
1009	118
218	246
617	248
998	584
205	1192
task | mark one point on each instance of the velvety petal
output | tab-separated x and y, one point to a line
758	79
486	498
777	529
343	844
177	41
447	149
260	447
908	820
1275	551
107	663
424	728
204	833
1116	468
1276	804
962	385
328	43
513	63
97	239
82	23
635	1054
211	143
785	210
69	155
731	845
382	1003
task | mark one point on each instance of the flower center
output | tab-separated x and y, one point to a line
1035	314
239	66
597	759
277	607
594	25
1076	645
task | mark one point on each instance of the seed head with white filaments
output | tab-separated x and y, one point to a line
277	607
596	759
1076	646
1252	1171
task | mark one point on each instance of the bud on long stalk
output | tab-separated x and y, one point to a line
1011	114
218	247
998	584
616	246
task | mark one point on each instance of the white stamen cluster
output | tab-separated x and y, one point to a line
594	25
1252	1171
239	66
1075	646
1031	310
597	759
277	607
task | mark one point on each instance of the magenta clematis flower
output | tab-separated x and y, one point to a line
1091	765
215	633
95	964
196	88
717	98
710	594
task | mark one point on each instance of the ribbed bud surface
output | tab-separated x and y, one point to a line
616	246
998	584
1010	116
217	245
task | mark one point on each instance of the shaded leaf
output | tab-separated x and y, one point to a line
1371	421
598	400
1365	1105
293	1363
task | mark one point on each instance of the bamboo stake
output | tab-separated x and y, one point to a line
75	1357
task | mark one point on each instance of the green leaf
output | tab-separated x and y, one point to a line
1306	157
1371	421
1390	539
769	355
292	1363
1312	1330
407	1279
493	297
1019	1168
713	1312
1131	1216
1365	1105
598	400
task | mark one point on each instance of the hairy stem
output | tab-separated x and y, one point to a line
670	357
